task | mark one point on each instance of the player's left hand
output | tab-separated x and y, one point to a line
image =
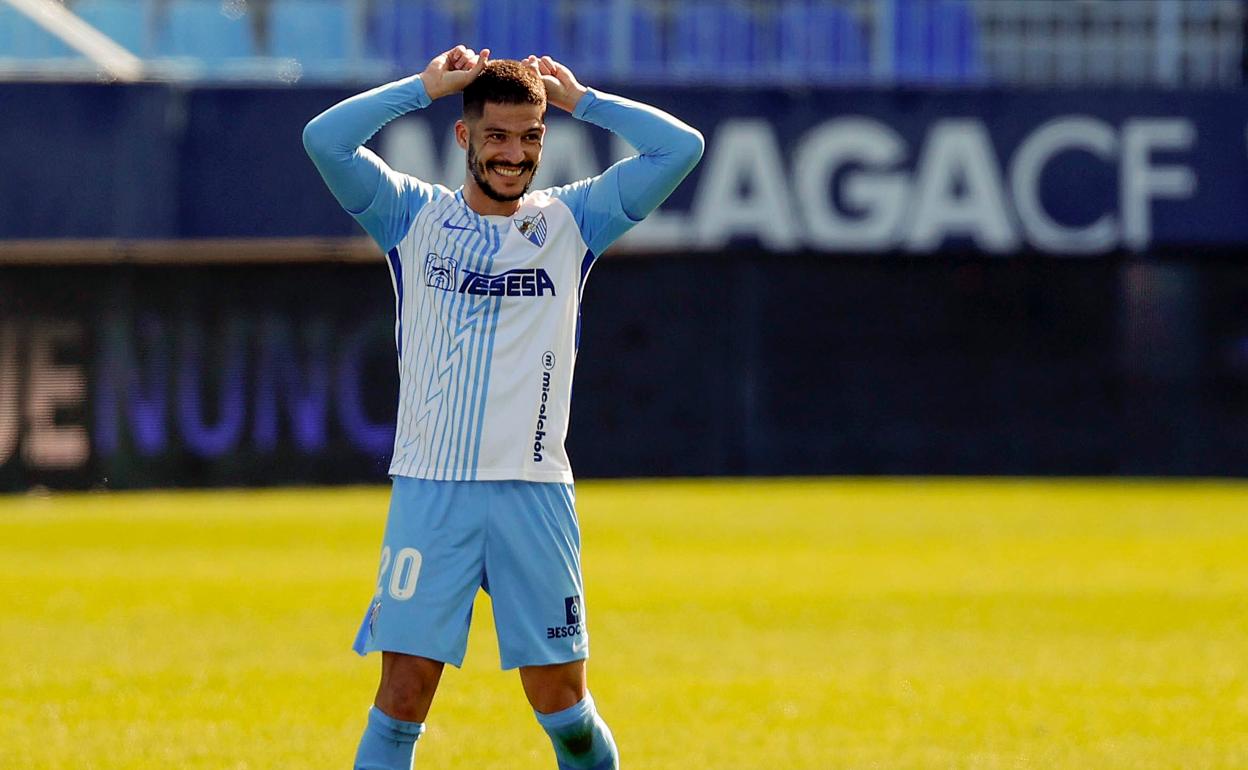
562	88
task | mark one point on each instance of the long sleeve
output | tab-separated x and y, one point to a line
384	201
608	205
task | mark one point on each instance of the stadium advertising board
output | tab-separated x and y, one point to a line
856	183
1066	173
193	376
130	376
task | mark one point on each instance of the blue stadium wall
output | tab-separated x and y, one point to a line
852	282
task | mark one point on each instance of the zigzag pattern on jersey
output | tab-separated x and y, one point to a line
470	319
445	379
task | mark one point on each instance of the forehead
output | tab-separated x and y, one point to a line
511	117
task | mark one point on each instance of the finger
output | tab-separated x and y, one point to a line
483	58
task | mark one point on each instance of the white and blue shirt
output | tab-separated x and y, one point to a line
487	308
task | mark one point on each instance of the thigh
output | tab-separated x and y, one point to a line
432	563
533	568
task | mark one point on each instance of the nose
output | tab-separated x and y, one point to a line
512	152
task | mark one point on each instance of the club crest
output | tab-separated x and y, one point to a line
441	272
533	228
373	612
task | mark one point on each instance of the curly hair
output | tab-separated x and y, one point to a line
504	81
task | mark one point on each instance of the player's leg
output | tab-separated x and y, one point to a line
560	698
534	569
397	718
407	685
555	687
431	568
564	708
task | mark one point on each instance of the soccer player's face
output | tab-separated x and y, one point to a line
504	148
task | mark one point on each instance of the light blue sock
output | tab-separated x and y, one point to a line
387	743
582	740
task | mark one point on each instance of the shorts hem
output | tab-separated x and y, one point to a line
455	660
510	663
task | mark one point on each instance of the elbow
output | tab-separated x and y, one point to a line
691	147
315	142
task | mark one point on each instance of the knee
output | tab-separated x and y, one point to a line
554	688
407	687
555	696
409	704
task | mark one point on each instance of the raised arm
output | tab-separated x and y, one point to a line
383	201
668	149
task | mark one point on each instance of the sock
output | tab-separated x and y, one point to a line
582	740
387	743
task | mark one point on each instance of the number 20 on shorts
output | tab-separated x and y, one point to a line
403	577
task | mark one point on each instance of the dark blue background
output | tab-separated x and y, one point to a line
156	161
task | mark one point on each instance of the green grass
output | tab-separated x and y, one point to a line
754	625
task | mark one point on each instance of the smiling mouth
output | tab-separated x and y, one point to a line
508	171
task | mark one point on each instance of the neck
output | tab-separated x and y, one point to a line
483	204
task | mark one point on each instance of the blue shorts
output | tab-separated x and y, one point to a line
518	540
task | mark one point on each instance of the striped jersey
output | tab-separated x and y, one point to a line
486	323
487	308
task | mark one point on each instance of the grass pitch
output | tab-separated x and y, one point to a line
753	625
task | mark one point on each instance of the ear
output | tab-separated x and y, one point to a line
461	134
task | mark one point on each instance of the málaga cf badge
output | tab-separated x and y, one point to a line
533	228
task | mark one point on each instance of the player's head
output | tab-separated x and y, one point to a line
503	127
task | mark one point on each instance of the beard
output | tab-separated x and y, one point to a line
478	170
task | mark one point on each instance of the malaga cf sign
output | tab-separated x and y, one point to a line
855	172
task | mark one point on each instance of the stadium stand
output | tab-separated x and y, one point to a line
911	42
935	41
312	30
405	34
200	29
125	21
593	37
821	38
21	38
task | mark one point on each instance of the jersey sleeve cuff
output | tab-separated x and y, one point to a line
418	96
584	104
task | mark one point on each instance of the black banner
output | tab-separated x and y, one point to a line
738	364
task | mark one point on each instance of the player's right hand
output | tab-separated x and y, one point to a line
451	71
